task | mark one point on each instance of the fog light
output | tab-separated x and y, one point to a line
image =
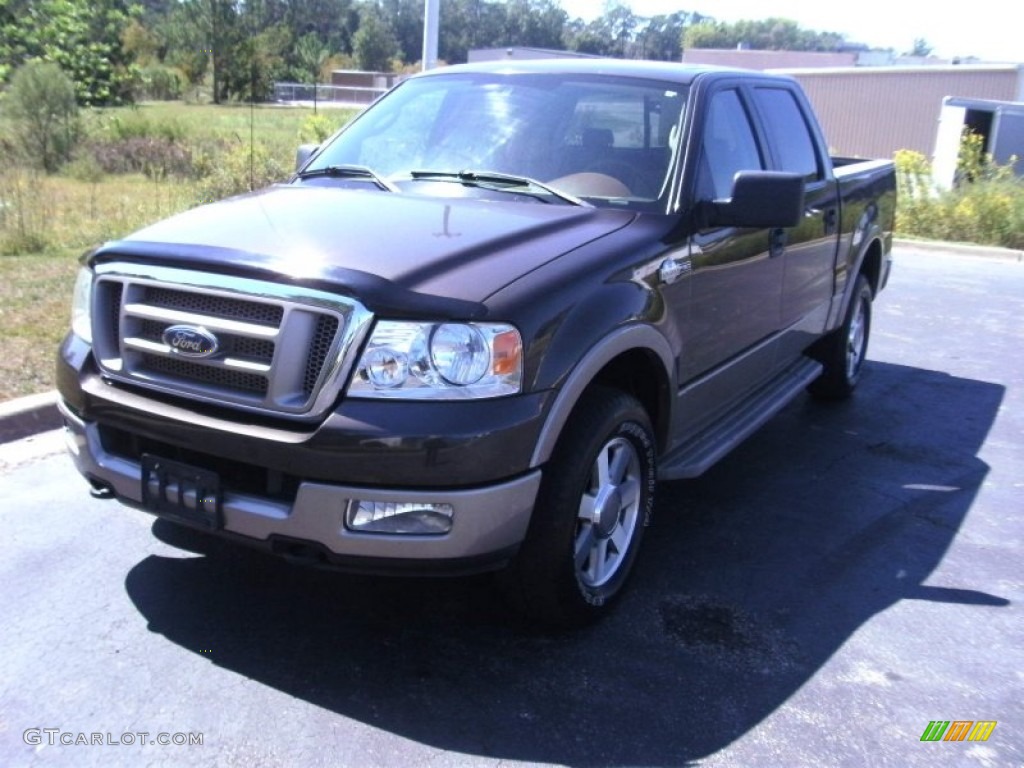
416	519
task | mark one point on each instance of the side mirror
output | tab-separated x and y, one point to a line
761	200
303	153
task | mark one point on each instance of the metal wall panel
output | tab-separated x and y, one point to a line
872	112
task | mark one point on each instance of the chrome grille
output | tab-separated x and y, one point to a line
278	349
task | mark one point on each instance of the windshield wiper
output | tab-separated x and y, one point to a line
500	181
349	172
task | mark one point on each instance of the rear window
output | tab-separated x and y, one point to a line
788	131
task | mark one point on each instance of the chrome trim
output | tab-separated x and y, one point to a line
284	392
672	269
251	330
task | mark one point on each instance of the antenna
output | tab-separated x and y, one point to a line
252	133
252	104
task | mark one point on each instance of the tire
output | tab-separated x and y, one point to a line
595	500
843	351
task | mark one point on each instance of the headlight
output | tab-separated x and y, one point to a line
442	361
81	306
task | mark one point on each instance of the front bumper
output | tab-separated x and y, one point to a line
489	521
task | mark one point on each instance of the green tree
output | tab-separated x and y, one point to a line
43	112
589	37
206	35
185	33
661	38
311	55
533	24
140	44
256	61
332	21
620	23
374	44
772	34
619	32
82	36
405	17
468	24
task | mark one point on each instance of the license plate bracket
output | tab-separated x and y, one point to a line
182	491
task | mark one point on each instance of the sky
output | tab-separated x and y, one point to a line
989	29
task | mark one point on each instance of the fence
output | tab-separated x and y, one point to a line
342	95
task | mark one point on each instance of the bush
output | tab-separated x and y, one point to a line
41	107
123	124
316	128
85	167
240	169
155	158
158	83
985	207
26	215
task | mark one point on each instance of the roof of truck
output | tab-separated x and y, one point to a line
683	74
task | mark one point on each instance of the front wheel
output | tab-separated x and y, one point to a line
595	500
843	351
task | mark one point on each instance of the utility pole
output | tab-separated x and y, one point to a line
430	24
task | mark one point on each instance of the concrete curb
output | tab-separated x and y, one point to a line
961	249
38	413
28	416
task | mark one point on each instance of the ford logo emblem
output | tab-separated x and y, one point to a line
190	341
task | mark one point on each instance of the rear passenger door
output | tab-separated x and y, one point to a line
810	248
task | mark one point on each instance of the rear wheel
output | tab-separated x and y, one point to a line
843	351
594	503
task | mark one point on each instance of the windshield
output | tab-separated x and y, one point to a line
607	140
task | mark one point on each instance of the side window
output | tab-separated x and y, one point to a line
729	146
787	131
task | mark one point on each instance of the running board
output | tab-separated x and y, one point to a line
697	455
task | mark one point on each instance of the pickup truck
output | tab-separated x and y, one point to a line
482	322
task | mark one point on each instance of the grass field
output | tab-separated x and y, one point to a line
47	222
275	127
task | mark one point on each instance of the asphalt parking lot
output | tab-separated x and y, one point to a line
848	575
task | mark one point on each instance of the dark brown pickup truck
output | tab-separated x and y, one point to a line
482	322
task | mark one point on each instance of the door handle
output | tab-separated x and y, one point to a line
829	218
831	221
777	242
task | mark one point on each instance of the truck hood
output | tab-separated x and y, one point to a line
378	246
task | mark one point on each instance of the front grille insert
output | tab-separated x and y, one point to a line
319	348
178	369
217	306
232	341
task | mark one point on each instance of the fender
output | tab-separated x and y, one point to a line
869	232
623	339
